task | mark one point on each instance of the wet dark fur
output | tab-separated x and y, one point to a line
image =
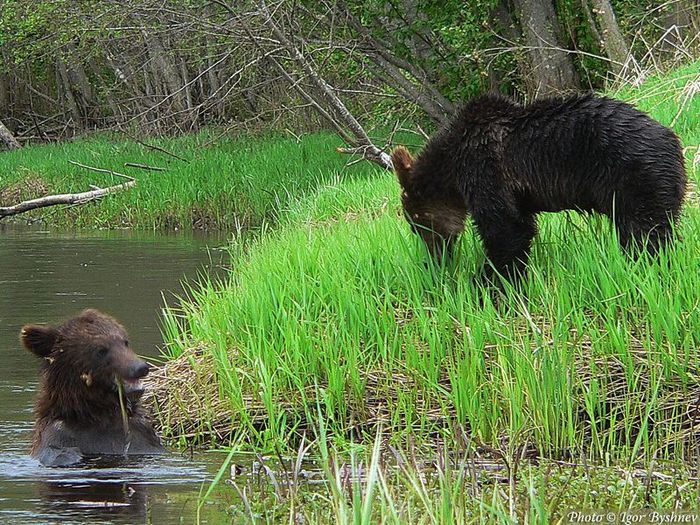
78	406
502	164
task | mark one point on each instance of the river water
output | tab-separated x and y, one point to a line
47	277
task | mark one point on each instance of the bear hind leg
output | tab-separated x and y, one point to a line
645	233
646	210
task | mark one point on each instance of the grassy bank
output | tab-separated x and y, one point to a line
217	183
338	299
454	486
334	320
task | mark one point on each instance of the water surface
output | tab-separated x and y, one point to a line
47	277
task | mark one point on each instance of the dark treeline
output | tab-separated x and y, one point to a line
145	66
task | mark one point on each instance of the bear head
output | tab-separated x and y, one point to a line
437	215
87	365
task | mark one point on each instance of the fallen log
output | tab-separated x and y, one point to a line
70	198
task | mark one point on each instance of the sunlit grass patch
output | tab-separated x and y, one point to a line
590	349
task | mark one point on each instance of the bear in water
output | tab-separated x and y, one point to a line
503	163
89	398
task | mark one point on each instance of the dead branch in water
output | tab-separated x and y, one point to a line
70	198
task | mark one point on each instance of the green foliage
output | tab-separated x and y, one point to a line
445	39
642	21
25	26
28	29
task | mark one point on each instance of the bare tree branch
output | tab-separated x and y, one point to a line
425	94
69	198
143	166
362	141
319	109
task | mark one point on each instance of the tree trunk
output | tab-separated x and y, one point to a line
506	26
188	98
82	91
213	94
4	95
552	67
64	86
611	37
166	77
7	138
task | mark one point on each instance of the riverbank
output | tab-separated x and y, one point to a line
331	326
202	181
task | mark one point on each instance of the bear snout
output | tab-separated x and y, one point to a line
130	376
139	369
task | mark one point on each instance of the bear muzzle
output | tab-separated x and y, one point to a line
131	381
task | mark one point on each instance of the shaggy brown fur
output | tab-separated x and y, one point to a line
89	373
502	164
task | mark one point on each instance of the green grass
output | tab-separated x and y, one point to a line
223	184
333	319
589	356
349	306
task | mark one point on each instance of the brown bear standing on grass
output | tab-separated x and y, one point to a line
88	401
503	163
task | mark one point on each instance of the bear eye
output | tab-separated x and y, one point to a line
102	351
126	342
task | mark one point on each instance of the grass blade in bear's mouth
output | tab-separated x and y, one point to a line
122	406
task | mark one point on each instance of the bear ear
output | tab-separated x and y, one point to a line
39	340
403	163
90	314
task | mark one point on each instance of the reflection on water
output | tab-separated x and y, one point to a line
121	490
45	278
